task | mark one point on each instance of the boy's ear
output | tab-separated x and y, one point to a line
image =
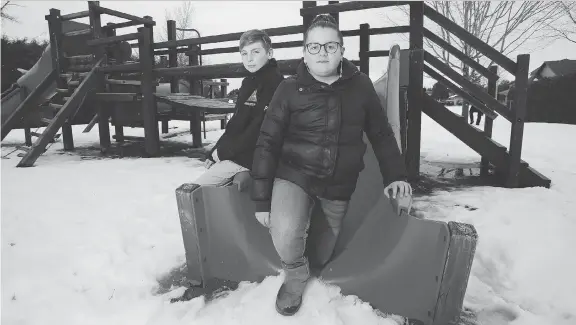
270	53
343	50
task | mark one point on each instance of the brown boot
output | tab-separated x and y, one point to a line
288	303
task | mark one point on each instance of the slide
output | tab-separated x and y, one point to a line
72	45
399	263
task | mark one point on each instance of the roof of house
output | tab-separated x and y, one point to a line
560	67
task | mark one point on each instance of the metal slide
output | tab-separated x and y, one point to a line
398	263
33	77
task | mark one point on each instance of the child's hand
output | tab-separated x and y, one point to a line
208	163
263	218
399	188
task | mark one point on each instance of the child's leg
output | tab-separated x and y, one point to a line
334	212
289	222
220	174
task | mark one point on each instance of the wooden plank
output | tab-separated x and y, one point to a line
121	25
172	55
90	125
197	103
227	70
390	30
152	138
117	97
127	67
415	90
364	48
123	82
278	31
79	32
487	111
112	39
518	116
461	56
28	104
76	15
470	87
489	122
335	15
470	39
59	120
107	11
374	54
234	49
307	18
349	6
100	52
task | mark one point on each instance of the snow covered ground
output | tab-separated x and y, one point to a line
84	241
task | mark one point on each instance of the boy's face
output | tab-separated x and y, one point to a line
254	56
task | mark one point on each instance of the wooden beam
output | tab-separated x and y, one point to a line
471	88
461	56
483	108
76	15
127	67
375	54
227	70
112	39
518	115
489	122
364	48
278	31
415	90
390	30
152	138
172	55
470	39
349	6
146	22
121	25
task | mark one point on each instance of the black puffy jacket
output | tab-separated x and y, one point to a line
312	135
239	139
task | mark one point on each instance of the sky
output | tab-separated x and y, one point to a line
221	17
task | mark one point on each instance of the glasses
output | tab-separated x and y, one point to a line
330	47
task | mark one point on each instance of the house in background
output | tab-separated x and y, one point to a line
548	70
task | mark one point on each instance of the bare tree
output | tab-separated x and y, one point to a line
5	15
566	28
504	25
182	15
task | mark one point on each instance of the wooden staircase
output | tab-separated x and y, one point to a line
478	141
64	109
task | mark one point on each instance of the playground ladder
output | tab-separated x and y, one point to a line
64	112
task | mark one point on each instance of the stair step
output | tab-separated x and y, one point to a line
56	107
23	148
74	83
46	121
87	31
62	90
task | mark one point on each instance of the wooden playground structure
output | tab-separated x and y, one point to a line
126	91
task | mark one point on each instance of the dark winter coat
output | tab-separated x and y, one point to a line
312	135
239	139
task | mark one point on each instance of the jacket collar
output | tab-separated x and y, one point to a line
269	68
305	78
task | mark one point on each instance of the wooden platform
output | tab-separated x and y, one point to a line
183	102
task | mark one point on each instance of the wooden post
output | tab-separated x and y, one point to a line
151	136
488	122
518	115
118	128
27	131
307	19
99	52
195	89
223	88
415	88
172	55
56	35
364	48
336	15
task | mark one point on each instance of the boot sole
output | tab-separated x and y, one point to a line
287	314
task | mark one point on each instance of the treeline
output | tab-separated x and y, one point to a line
18	53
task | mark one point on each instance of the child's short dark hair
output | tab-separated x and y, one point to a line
253	36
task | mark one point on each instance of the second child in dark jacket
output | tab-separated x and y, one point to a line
234	151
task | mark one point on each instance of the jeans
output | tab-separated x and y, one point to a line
290	217
220	174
